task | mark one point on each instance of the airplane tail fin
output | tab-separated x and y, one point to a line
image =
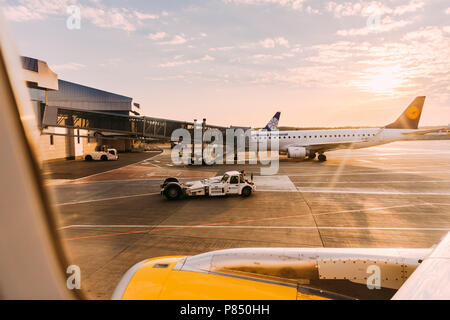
273	123
409	119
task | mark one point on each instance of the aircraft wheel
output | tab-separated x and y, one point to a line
322	157
312	156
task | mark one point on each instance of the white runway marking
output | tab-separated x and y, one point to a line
405	149
99	173
412	153
105	199
366	173
52	182
114	181
254	227
363	191
278	183
374	182
371	209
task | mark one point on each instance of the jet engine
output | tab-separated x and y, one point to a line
296	152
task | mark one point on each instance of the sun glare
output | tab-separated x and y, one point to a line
382	81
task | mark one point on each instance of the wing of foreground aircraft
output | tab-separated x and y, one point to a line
431	280
293	273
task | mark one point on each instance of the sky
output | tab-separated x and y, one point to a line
237	62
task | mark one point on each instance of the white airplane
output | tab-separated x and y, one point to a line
308	143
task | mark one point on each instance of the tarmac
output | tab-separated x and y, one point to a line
395	195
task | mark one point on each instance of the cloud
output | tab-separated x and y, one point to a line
291	4
177	39
282	42
414	63
178	62
310	10
208	58
225	48
71	66
304	76
417	61
344	9
387	24
21	13
157	35
412	6
97	13
367	8
109	18
111	62
29	10
270	43
168	78
258	58
145	16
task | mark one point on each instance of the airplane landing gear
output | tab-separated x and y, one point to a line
322	157
311	156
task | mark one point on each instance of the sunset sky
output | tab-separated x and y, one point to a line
237	62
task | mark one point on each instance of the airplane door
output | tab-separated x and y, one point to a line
233	186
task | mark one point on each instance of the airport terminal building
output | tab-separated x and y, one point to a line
63	141
75	119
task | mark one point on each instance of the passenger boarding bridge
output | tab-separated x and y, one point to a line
132	127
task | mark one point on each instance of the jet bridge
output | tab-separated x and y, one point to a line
132	127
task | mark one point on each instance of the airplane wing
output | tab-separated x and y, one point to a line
422	132
431	280
328	146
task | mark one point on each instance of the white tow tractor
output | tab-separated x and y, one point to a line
104	155
232	182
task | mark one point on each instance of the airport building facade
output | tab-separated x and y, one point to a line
63	142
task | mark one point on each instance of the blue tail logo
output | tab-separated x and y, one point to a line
273	123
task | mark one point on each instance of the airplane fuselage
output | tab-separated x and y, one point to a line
331	139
